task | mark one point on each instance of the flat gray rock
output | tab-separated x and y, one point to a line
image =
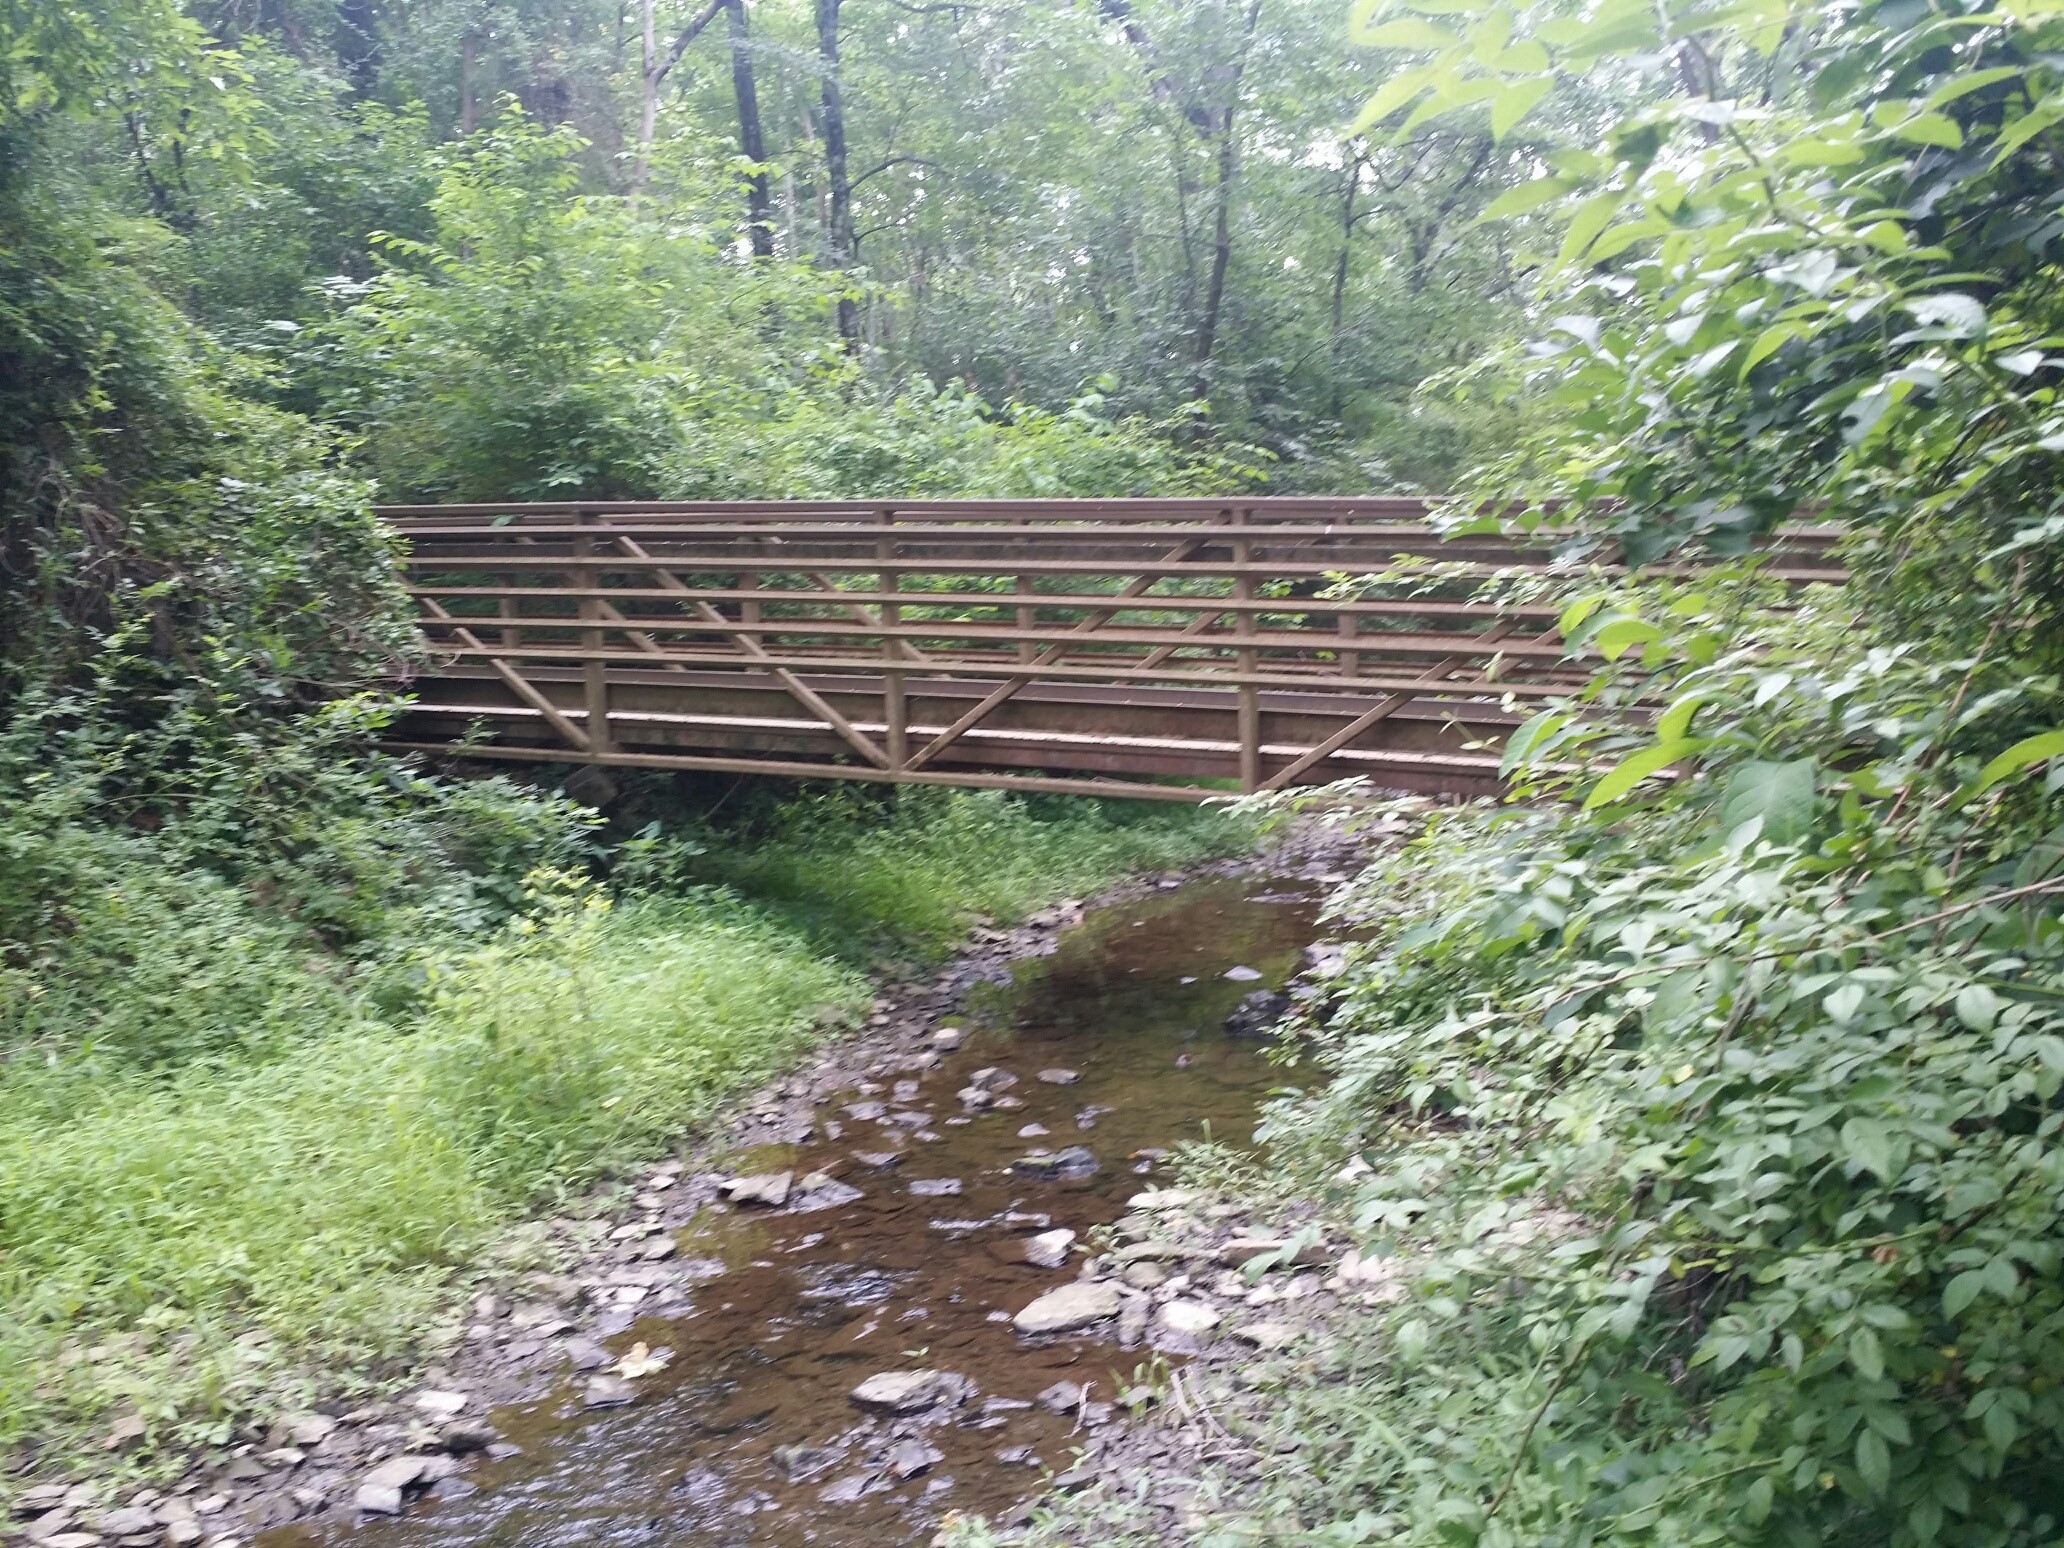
912	1457
909	1392
1049	1249
607	1392
1069	1307
768	1188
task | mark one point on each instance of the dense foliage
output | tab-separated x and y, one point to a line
1710	1092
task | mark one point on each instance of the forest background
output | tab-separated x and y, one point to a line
1757	1002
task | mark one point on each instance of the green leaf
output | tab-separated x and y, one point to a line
1572	617
1617	637
2028	126
1589	222
1960	1292
1531	734
1932	129
1963	85
1631	771
2023	754
1871	1147
1514	102
1874	1461
1782	794
1527	196
1674	724
1756	1502
1397	92
1866	1354
1768	342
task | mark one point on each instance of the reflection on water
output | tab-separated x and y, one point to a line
742	1438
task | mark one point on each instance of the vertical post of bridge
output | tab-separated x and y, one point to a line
1249	711
1028	617
594	669
894	712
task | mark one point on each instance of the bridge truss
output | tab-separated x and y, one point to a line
1169	649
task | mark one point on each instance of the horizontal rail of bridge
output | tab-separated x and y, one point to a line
1168	649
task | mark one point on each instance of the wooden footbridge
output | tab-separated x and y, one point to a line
1171	649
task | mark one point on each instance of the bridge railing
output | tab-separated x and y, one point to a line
1165	648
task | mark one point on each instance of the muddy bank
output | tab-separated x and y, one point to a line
905	1239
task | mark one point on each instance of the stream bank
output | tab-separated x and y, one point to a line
661	1261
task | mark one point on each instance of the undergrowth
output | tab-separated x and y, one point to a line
906	871
283	1056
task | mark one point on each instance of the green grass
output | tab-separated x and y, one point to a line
237	1163
864	874
242	1217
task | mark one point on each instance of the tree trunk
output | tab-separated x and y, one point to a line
652	74
1347	225
358	45
839	218
752	143
648	91
469	49
1222	224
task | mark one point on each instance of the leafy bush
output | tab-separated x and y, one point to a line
1711	1093
832	435
1727	1125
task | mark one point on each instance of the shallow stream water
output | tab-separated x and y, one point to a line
812	1302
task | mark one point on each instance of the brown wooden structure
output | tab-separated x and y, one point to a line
1172	649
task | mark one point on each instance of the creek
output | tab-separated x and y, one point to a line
812	1301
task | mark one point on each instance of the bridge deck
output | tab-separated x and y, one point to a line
1171	649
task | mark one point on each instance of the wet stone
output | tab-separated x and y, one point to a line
909	1392
1267	1336
765	1188
1047	1165
827	1193
128	1521
1070	1307
607	1391
1132	1323
907	1459
800	1464
1258	1014
463	1435
1063	1397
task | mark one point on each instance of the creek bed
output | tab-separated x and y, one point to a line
813	1301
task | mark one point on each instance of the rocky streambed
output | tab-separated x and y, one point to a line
942	1271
